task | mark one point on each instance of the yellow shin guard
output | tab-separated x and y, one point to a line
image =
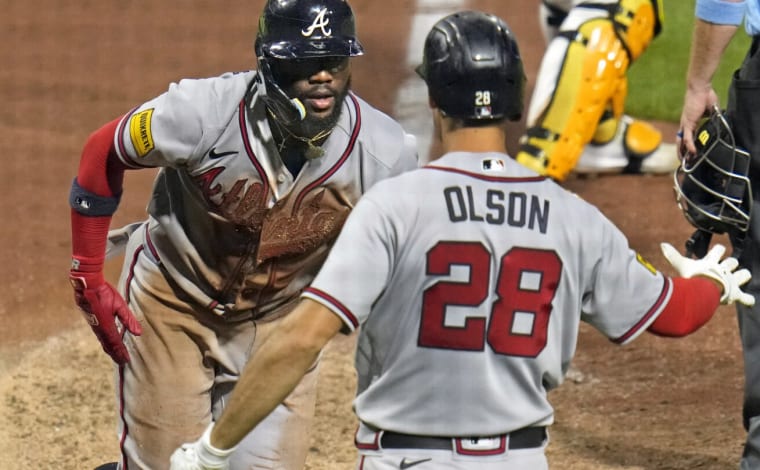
591	84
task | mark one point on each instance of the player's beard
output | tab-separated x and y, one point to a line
313	125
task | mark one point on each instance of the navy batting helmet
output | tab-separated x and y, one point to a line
297	30
712	187
472	67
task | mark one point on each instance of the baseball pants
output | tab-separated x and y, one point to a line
182	369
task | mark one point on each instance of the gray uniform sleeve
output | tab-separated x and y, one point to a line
168	130
626	293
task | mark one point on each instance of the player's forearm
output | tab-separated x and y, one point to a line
275	370
708	44
94	197
267	380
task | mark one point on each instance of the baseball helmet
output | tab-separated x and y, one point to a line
472	67
712	186
298	30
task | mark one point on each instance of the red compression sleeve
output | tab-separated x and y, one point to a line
692	304
100	172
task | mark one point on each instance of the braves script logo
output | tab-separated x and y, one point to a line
243	204
313	225
319	22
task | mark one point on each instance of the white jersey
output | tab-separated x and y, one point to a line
230	224
469	278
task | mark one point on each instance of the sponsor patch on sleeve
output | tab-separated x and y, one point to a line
646	263
140	133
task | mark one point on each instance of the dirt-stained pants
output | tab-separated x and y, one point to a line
182	369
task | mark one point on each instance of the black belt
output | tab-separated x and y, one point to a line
525	438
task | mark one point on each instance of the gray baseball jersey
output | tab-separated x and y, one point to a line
469	278
228	221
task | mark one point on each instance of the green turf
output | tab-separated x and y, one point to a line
657	80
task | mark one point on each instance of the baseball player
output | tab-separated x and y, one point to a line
581	89
716	23
469	278
259	171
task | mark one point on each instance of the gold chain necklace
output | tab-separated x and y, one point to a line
312	151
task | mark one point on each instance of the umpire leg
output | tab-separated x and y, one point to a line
743	103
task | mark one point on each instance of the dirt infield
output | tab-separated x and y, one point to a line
71	66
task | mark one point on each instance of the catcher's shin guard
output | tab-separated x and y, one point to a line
627	145
582	76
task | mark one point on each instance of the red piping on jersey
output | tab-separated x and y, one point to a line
374	445
503	179
666	289
120	139
336	303
151	247
131	272
249	150
346	153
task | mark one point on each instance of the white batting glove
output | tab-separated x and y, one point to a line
201	455
711	266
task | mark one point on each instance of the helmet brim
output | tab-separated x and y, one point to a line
328	47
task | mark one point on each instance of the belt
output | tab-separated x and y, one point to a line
524	438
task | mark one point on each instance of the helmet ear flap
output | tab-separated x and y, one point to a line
287	109
712	187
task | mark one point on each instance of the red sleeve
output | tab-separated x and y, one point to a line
100	170
102	173
692	304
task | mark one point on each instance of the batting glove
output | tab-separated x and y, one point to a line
102	306
711	266
201	455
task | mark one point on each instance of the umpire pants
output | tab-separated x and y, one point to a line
743	114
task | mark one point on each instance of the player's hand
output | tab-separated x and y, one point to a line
102	306
200	455
711	266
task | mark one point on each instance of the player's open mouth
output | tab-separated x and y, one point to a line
321	103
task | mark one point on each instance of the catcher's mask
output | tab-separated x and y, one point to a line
712	187
300	30
472	67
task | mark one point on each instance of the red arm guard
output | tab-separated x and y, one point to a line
692	304
95	194
101	173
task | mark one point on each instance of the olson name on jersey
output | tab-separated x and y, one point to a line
516	209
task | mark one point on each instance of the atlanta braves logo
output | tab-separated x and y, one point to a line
319	22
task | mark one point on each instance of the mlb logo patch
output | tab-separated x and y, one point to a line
493	164
483	111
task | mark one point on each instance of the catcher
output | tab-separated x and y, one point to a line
575	120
